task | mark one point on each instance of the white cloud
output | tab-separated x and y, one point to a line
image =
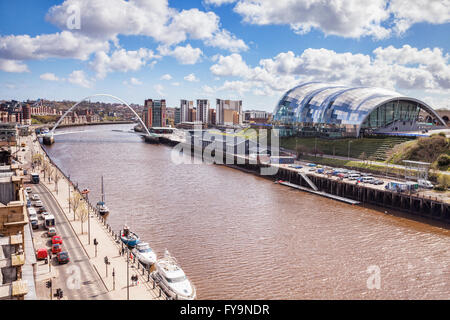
78	77
106	19
184	55
225	40
12	66
159	89
402	69
407	13
58	45
49	77
347	18
133	82
191	78
166	77
219	2
175	84
231	65
121	60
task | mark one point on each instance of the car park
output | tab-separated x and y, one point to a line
63	257
57	239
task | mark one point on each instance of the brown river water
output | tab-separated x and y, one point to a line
239	236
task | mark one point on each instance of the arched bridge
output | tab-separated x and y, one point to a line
49	137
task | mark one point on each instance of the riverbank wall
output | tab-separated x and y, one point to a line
412	203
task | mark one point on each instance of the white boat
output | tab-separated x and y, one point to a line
172	279
145	254
101	205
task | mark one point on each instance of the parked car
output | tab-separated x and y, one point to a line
377	182
41	254
41	209
33	216
34	224
51	232
35	197
295	166
353	176
367	179
56	248
38	203
57	239
425	184
45	214
63	257
28	203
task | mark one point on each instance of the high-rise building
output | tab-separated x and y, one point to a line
212	116
225	112
177	116
155	113
202	110
185	106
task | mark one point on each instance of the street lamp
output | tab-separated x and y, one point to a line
85	192
348	156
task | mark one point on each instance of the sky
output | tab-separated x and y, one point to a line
251	50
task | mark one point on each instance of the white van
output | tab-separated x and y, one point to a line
367	179
425	184
353	176
49	221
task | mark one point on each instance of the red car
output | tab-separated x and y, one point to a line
56	240
63	257
41	254
56	248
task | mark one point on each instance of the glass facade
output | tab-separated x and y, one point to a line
316	108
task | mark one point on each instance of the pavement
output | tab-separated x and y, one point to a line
86	276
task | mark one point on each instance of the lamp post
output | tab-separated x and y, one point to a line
348	156
85	192
128	275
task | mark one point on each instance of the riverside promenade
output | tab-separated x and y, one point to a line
108	246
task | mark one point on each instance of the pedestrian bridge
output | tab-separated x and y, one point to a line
49	138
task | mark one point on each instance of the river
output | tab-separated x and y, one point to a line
239	236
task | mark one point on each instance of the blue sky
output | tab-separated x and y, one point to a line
252	50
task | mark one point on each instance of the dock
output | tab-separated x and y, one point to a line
320	193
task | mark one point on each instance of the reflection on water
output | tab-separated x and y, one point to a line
239	236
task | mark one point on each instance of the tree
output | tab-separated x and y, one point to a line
301	150
75	202
444	181
82	213
56	177
37	159
363	157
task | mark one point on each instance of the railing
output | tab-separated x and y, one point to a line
146	275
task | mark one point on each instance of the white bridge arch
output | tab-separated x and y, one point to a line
99	95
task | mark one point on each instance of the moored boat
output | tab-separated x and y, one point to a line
101	205
172	279
128	237
145	254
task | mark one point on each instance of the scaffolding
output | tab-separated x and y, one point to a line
416	170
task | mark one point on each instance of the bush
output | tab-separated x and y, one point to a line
443	160
444	181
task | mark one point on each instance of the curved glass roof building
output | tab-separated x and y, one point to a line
335	110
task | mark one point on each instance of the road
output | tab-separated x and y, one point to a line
78	279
